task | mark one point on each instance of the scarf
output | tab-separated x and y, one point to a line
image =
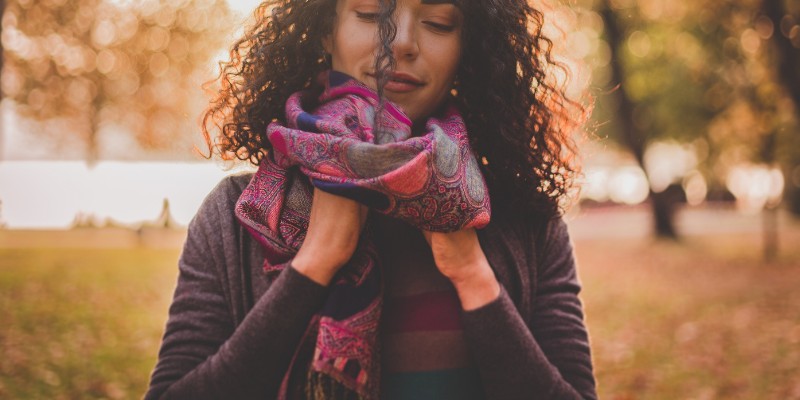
431	181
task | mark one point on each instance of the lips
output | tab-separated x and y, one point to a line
401	82
401	77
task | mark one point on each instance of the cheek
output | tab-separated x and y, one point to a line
447	50
446	56
455	55
354	41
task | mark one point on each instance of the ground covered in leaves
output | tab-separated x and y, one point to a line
705	318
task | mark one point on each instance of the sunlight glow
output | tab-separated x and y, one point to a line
244	7
668	162
628	185
51	194
755	187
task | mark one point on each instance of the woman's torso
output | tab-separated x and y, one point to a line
423	352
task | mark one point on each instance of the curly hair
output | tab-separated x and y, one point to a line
519	119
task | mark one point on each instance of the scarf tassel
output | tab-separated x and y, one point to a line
320	386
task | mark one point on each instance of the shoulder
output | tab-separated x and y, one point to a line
541	230
542	240
220	201
214	249
554	235
215	220
532	231
526	250
227	191
547	241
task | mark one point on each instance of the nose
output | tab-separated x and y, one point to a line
405	43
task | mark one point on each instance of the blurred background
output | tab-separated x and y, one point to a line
686	228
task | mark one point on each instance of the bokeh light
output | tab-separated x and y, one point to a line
755	186
86	63
628	186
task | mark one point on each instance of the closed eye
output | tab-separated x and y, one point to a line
367	16
440	27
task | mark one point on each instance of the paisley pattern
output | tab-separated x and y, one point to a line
431	181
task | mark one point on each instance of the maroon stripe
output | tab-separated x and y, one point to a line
433	311
424	351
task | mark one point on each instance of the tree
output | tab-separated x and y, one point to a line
786	42
698	72
644	99
2	12
84	67
765	90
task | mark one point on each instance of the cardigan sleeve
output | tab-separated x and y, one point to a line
203	354
550	359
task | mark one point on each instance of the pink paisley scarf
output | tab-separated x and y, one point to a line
431	181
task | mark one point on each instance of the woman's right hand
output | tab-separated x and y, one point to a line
334	228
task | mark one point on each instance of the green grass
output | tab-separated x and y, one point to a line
705	319
81	323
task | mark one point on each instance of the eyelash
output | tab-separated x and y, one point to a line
372	17
440	27
366	16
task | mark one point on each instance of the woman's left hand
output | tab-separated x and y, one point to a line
459	257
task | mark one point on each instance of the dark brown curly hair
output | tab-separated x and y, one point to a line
520	121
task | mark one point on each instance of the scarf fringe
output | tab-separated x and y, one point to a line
320	386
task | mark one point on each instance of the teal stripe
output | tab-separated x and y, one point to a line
456	384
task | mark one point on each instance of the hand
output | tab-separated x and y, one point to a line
459	257
334	227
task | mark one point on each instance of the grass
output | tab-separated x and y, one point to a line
704	319
81	323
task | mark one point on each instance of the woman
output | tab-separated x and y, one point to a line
363	259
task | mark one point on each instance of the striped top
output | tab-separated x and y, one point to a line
424	355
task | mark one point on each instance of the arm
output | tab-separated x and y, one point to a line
203	355
551	358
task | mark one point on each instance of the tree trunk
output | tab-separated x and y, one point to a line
93	126
663	204
664	207
2	13
770	221
794	200
2	51
787	56
787	61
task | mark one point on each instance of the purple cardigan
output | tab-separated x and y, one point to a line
233	329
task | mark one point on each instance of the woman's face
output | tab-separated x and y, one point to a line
427	49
